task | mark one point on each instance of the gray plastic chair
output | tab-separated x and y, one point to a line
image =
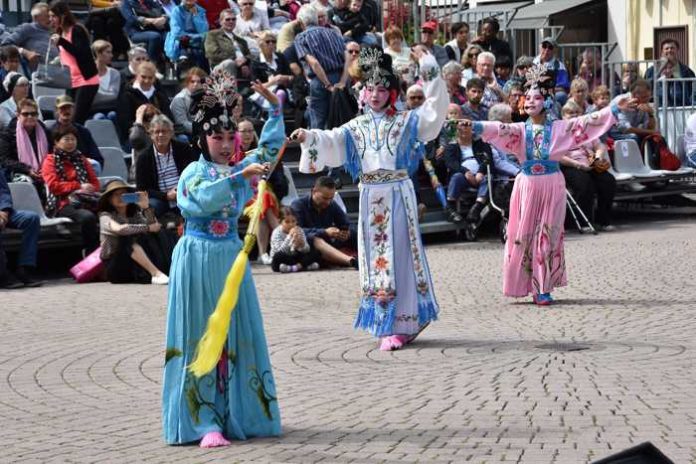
25	197
114	163
47	105
628	160
103	132
292	190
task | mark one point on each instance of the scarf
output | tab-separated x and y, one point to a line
25	150
77	160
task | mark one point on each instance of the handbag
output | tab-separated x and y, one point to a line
600	165
53	75
89	269
88	201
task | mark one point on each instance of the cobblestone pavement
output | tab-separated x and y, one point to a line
81	365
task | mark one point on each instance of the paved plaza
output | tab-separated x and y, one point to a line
612	365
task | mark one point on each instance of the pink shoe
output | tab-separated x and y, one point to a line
214	440
392	343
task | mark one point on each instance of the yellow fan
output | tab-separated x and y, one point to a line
210	345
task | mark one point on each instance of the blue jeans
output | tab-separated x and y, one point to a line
458	185
111	116
153	40
319	99
160	206
30	225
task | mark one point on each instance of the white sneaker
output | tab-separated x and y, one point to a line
313	267
265	259
161	279
284	268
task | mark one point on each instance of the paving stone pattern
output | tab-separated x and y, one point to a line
81	365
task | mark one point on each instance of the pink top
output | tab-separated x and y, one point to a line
566	133
67	59
582	153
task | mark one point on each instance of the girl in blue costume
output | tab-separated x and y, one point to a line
383	148
237	399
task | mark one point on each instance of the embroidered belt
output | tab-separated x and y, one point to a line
212	229
539	167
383	176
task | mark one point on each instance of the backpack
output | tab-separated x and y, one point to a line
668	160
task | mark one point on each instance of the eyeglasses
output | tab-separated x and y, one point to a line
29	114
230	19
426	31
472	55
247	4
547	46
416	97
354	52
270	41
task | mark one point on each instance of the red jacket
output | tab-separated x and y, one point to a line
62	188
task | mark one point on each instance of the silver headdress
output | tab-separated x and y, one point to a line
375	67
212	105
541	77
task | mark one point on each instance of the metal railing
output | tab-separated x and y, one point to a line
675	102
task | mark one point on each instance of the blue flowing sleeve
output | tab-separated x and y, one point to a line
198	195
272	138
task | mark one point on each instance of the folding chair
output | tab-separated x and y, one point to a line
25	197
573	207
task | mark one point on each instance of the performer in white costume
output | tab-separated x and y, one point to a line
382	148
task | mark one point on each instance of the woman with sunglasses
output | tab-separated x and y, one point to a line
24	144
469	62
272	68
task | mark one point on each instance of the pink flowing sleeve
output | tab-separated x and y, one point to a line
571	133
508	138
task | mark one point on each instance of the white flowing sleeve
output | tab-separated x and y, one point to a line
432	114
323	148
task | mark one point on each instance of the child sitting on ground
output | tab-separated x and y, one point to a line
290	251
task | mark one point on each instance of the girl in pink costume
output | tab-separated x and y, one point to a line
534	259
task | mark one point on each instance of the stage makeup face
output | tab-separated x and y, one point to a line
534	102
377	97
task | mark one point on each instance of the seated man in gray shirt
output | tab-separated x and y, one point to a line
32	38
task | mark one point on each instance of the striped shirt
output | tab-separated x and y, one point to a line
167	174
323	44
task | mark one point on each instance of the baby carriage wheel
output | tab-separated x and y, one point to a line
502	230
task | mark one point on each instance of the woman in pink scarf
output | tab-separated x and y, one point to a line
24	145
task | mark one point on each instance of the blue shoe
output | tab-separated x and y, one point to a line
542	299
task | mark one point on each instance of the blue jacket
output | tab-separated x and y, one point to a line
177	29
678	93
132	10
5	196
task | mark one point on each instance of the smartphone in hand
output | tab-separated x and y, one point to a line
130	198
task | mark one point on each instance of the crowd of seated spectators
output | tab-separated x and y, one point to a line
137	62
